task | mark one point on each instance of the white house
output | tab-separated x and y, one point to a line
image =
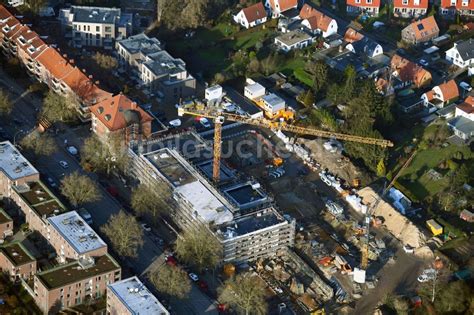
317	22
251	16
441	95
296	39
462	54
463	122
278	7
365	46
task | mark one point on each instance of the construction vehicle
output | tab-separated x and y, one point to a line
219	117
359	273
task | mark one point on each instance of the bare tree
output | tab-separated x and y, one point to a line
199	248
245	293
79	189
58	108
125	234
39	143
172	281
151	201
104	157
6	105
104	61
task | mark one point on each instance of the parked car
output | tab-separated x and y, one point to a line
205	122
146	227
85	215
64	164
72	150
424	63
175	123
193	277
465	86
51	182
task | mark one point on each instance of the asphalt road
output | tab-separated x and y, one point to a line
25	108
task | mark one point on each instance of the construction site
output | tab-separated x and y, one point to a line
333	236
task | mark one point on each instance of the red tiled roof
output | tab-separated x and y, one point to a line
285	5
468	105
13	24
352	35
255	12
4	13
316	19
424	27
364	3
429	95
449	89
446	4
111	112
412	4
409	71
56	64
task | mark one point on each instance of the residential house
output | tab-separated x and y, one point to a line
352	35
367	7
131	297
95	26
78	282
317	22
408	73
420	31
296	39
6	225
278	7
463	122
365	47
251	16
120	116
17	261
441	95
410	8
462	55
467	216
157	69
449	8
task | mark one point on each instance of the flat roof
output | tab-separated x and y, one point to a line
76	271
244	194
83	14
293	37
251	223
17	254
40	199
13	163
168	165
206	205
255	87
4	217
207	167
72	227
136	297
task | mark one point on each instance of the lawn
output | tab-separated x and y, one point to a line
302	75
425	160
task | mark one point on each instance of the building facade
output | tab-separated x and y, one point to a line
449	8
420	31
6	225
17	261
95	26
251	16
462	54
410	8
368	7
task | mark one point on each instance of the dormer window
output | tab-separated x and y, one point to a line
465	3
22	40
100	109
31	49
108	117
453	2
6	29
405	2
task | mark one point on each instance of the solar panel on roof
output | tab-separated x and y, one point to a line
420	27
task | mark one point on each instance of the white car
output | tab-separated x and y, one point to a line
408	249
64	164
193	277
72	150
175	123
146	227
465	86
205	122
424	63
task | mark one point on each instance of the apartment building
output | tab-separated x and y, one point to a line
15	169
410	8
119	115
6	225
73	238
245	229
17	261
130	297
157	69
95	26
74	283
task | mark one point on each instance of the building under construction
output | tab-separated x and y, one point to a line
237	210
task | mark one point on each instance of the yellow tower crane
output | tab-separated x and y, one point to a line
218	116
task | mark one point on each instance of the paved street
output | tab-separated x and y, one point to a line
25	106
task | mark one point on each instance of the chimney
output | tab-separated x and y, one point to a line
97	82
65	56
90	76
71	61
133	105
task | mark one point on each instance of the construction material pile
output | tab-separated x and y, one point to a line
397	224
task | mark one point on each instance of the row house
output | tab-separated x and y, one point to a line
449	8
407	73
281	7
410	8
368	7
317	22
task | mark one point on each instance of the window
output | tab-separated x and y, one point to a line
108	29
405	2
97	28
